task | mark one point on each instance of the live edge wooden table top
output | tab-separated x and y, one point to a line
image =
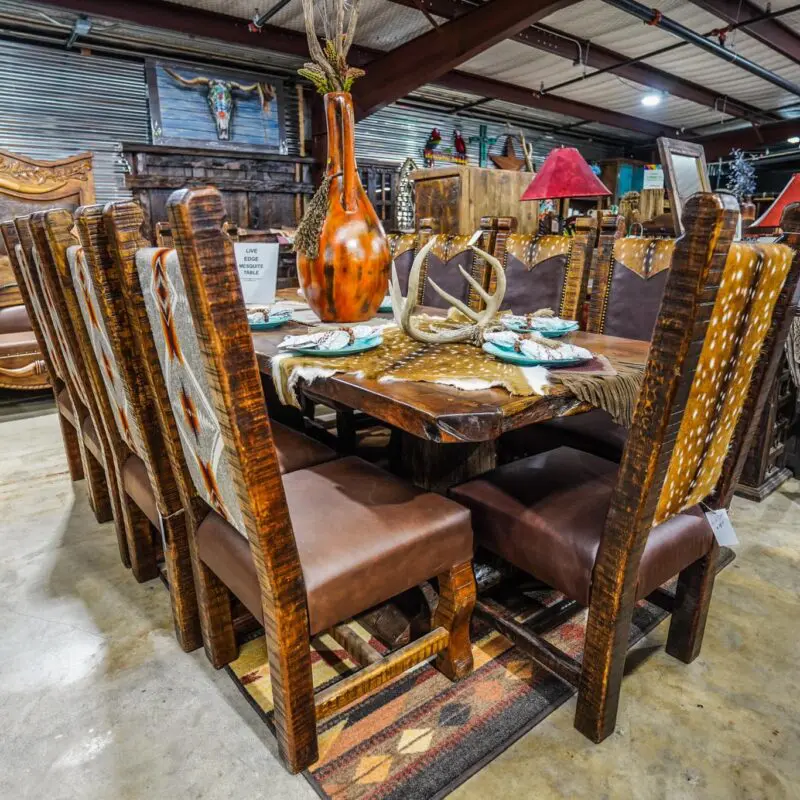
443	414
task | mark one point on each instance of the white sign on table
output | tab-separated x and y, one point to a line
258	271
653	177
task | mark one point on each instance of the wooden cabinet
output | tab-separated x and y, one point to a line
774	453
457	197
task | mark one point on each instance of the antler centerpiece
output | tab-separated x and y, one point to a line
479	321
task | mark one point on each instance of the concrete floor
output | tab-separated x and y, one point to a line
98	701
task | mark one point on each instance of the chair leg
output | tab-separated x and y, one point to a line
457	595
185	614
119	516
605	649
216	620
72	447
346	432
140	541
692	599
97	487
289	648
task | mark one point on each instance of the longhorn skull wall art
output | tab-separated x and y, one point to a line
220	98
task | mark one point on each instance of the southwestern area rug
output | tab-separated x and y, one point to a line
420	736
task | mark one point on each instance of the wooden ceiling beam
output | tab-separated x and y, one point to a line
771	32
436	52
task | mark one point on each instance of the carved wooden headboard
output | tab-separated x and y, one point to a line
27	185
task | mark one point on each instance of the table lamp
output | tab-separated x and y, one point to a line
565	173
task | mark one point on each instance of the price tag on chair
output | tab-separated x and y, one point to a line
723	529
258	271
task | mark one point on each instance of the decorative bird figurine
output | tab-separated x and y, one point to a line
434	139
459	143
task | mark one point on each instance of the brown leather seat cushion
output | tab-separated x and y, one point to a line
14	319
545	514
593	432
363	536
137	486
298	451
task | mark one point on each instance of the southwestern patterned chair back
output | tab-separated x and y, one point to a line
627	287
54	234
42	327
152	491
76	401
216	397
403	247
543	271
714	353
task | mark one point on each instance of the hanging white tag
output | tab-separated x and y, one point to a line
723	529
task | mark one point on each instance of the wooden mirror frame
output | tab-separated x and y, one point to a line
667	150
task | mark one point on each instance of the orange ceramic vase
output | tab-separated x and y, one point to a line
350	276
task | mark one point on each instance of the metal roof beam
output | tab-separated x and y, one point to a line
770	32
564	45
431	55
654	17
497	90
749	138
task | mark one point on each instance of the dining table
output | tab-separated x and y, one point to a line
446	435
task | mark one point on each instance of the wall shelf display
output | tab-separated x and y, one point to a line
210	107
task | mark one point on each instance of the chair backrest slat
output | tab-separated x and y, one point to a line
96	273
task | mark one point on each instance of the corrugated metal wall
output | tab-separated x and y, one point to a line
57	103
397	132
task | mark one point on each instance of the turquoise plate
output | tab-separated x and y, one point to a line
268	326
521	360
551	334
386	305
351	349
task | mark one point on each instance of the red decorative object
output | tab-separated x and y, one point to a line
565	173
771	218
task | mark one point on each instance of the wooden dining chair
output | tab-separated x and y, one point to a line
542	271
403	247
56	371
59	249
306	551
608	535
75	402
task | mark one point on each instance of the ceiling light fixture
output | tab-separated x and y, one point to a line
651	100
793	140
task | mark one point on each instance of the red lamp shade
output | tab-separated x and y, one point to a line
771	218
565	173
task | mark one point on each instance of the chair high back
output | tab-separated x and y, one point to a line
235	417
39	323
543	271
403	247
704	374
55	242
628	284
449	252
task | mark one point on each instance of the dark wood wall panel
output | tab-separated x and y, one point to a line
260	190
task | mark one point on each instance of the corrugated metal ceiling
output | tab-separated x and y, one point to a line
384	25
